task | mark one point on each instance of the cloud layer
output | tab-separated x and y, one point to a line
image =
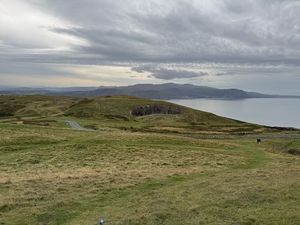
153	30
134	33
161	72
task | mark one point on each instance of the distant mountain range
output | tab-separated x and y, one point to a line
152	91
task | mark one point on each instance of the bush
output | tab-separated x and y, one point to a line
294	151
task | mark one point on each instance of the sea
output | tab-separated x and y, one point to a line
282	112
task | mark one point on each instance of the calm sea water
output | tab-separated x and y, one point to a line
267	111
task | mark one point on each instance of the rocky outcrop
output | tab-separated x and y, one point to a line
143	110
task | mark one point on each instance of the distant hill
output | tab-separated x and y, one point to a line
153	91
41	90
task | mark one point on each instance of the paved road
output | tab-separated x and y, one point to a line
76	126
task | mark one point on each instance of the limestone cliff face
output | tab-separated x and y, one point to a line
142	110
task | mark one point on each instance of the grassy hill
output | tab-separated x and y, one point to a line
115	112
34	105
188	168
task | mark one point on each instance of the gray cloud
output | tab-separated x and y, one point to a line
179	30
168	74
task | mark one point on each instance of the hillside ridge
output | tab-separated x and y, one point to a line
121	112
152	91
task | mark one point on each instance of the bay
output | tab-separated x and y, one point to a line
283	112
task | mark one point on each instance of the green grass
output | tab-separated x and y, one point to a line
164	170
288	145
115	112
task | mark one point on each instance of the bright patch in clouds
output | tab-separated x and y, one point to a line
24	26
107	75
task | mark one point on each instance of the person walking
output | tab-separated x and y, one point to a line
101	221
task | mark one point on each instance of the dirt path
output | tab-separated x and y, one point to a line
76	126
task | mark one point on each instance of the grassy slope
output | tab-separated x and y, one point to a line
34	105
114	112
55	175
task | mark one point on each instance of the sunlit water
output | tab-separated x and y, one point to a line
283	112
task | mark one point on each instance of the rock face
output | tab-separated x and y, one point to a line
154	109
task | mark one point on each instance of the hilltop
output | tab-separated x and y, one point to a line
122	112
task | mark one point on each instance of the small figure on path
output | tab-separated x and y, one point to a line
101	221
258	140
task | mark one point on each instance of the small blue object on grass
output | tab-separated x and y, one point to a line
101	221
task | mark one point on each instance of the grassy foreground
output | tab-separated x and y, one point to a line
150	174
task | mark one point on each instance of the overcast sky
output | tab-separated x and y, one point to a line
248	44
